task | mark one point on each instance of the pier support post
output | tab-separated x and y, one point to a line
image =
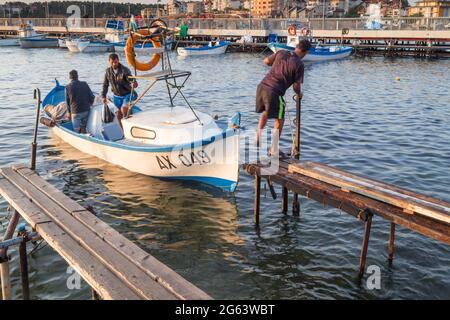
256	200
284	200
295	205
391	244
365	243
24	265
4	263
95	295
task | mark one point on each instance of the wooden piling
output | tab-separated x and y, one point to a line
284	200
4	263
365	244
24	267
256	200
298	113
391	244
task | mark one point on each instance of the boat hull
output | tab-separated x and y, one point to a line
199	162
38	43
139	48
88	47
62	43
187	51
9	42
315	55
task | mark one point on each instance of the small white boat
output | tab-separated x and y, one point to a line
140	47
62	43
26	31
211	48
164	142
89	45
7	42
28	43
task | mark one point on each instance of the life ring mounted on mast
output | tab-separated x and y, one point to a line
292	30
131	56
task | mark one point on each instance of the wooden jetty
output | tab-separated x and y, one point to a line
359	196
112	265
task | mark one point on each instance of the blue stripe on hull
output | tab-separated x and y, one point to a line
224	184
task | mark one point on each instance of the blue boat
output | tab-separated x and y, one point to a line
318	53
211	48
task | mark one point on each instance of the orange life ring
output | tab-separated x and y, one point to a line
304	32
130	56
291	30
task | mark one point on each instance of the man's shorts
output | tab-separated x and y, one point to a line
120	100
79	120
269	101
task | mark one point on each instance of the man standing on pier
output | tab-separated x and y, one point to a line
286	69
118	76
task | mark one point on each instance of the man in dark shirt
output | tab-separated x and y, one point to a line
79	99
286	69
117	76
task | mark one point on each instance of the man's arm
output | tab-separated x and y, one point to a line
91	95
67	94
105	86
270	59
298	81
132	81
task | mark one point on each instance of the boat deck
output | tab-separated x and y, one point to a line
112	265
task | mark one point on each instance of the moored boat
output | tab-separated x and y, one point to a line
89	45
211	48
316	53
9	41
38	43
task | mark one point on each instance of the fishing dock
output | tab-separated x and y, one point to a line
359	196
113	266
398	36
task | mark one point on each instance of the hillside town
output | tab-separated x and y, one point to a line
234	8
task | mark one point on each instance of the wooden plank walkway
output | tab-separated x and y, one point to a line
112	265
358	196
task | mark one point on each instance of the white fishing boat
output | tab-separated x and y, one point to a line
89	45
170	142
26	31
212	48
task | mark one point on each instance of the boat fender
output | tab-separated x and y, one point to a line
131	57
292	30
47	122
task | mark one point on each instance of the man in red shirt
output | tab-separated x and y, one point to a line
286	69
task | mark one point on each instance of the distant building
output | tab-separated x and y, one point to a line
267	8
154	11
333	8
175	7
388	8
431	9
194	7
223	5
